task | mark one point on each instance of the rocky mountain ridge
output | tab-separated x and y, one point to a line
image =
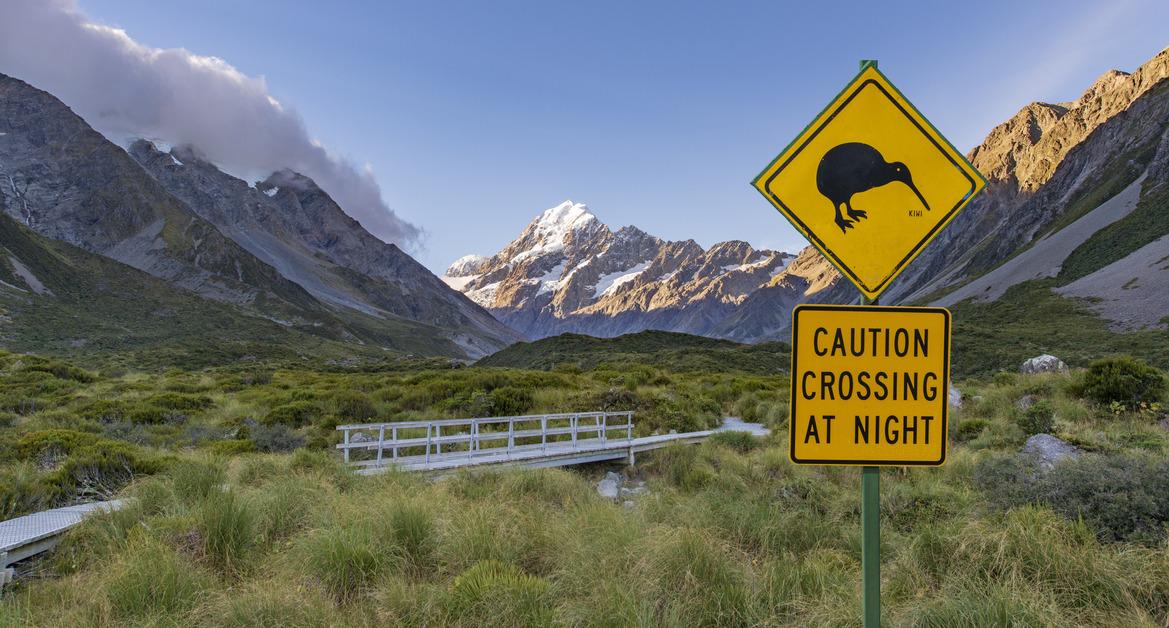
282	250
569	272
292	224
1047	167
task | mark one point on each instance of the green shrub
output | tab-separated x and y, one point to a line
1125	380
293	414
42	442
510	401
232	447
998	606
60	370
1039	418
150	414
275	438
285	507
353	407
700	582
682	466
969	429
1122	498
83	465
554	487
101	469
105	411
492	593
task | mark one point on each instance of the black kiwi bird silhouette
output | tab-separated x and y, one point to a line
852	168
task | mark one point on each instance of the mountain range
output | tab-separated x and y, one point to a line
155	250
1077	192
280	250
569	272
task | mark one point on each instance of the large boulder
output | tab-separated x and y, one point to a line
1044	364
1046	450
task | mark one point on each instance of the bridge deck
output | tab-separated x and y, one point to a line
578	450
31	534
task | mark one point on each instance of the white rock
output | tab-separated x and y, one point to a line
1046	450
1044	364
610	486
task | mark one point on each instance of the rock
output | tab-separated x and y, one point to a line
360	437
1024	402
637	489
627	504
1046	450
955	397
610	486
1044	364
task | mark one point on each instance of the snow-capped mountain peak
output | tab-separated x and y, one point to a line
564	217
567	271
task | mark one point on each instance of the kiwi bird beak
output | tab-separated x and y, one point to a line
919	196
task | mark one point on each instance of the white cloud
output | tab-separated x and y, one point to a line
125	89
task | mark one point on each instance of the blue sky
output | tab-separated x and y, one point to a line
474	116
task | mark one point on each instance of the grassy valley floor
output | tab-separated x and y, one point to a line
242	516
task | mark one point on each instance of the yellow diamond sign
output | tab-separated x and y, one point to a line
870	182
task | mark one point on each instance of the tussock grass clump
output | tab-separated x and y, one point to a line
741	442
491	593
152	582
699	582
346	560
226	528
195	479
285	507
554	487
994	605
272	603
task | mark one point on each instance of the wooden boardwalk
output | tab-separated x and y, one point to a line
529	441
32	534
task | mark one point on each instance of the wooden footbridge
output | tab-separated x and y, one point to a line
545	440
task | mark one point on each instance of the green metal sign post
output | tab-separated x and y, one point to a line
871	528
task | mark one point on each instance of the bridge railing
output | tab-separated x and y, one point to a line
379	443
